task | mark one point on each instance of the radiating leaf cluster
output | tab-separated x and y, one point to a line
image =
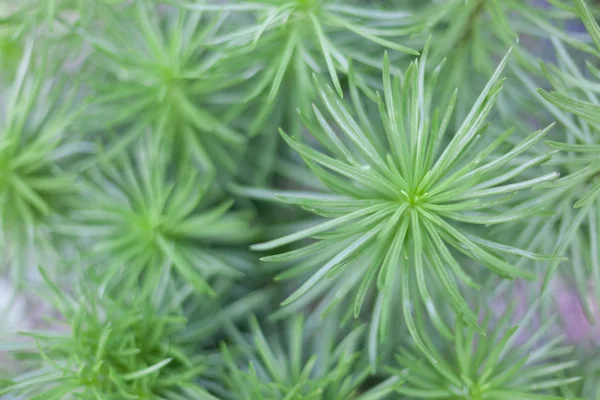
37	145
303	362
158	70
403	194
114	346
496	366
138	144
158	220
310	35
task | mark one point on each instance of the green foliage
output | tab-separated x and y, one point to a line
35	149
139	211
311	35
574	104
589	386
158	71
140	162
32	13
404	206
303	362
289	40
115	346
495	366
582	141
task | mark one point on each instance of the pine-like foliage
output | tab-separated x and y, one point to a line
269	199
35	148
314	34
303	363
587	112
495	366
404	205
158	221
158	71
117	346
573	197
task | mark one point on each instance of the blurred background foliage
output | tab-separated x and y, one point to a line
140	157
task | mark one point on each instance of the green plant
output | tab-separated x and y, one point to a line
35	150
160	73
313	34
189	251
495	366
588	387
303	363
574	196
586	111
405	205
115	346
138	211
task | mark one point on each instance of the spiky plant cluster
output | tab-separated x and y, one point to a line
589	386
303	362
406	205
159	221
267	199
35	150
19	19
471	35
572	101
157	70
114	346
307	36
581	142
495	366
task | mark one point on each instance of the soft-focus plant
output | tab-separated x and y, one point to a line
139	158
589	386
36	144
30	14
288	41
310	35
569	83
573	103
499	366
157	220
155	69
304	362
110	345
20	20
472	35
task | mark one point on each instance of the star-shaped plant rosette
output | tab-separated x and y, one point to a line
506	364
400	193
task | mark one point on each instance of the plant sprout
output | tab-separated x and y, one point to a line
162	73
